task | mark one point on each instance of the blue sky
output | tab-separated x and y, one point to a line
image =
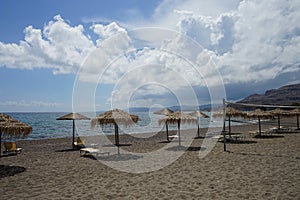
83	55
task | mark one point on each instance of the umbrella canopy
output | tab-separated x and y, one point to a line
279	112
73	116
178	118
165	111
259	114
198	114
10	127
230	112
116	117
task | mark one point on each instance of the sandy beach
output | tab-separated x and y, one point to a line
258	168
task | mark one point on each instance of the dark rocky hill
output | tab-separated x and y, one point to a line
286	95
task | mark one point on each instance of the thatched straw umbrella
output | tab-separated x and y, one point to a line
177	117
230	112
296	112
116	117
279	112
198	114
73	116
259	114
12	128
165	111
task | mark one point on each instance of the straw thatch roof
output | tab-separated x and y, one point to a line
198	113
176	117
258	113
230	112
295	112
115	116
164	111
281	112
10	127
73	116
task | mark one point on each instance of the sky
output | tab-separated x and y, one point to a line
59	55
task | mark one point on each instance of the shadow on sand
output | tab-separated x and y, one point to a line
119	157
6	170
66	150
113	145
268	136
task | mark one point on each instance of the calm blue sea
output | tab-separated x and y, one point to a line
44	125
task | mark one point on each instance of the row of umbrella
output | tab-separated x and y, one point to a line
116	117
10	127
259	115
178	117
119	117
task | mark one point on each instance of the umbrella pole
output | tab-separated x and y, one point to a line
297	121
179	133
229	127
116	134
259	126
224	121
278	121
0	141
73	144
167	131
198	128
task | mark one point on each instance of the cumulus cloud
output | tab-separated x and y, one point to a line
263	33
254	41
58	46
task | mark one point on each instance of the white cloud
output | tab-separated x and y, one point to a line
58	46
250	41
23	103
264	32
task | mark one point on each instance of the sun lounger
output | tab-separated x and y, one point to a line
92	152
236	138
173	136
11	148
218	137
79	143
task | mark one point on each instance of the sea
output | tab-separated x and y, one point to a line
45	126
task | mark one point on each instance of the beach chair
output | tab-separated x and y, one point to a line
11	148
92	152
79	143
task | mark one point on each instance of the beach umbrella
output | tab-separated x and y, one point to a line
165	111
259	114
296	112
177	118
198	114
12	128
73	116
279	112
116	117
230	112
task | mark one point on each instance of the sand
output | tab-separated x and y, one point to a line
257	168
